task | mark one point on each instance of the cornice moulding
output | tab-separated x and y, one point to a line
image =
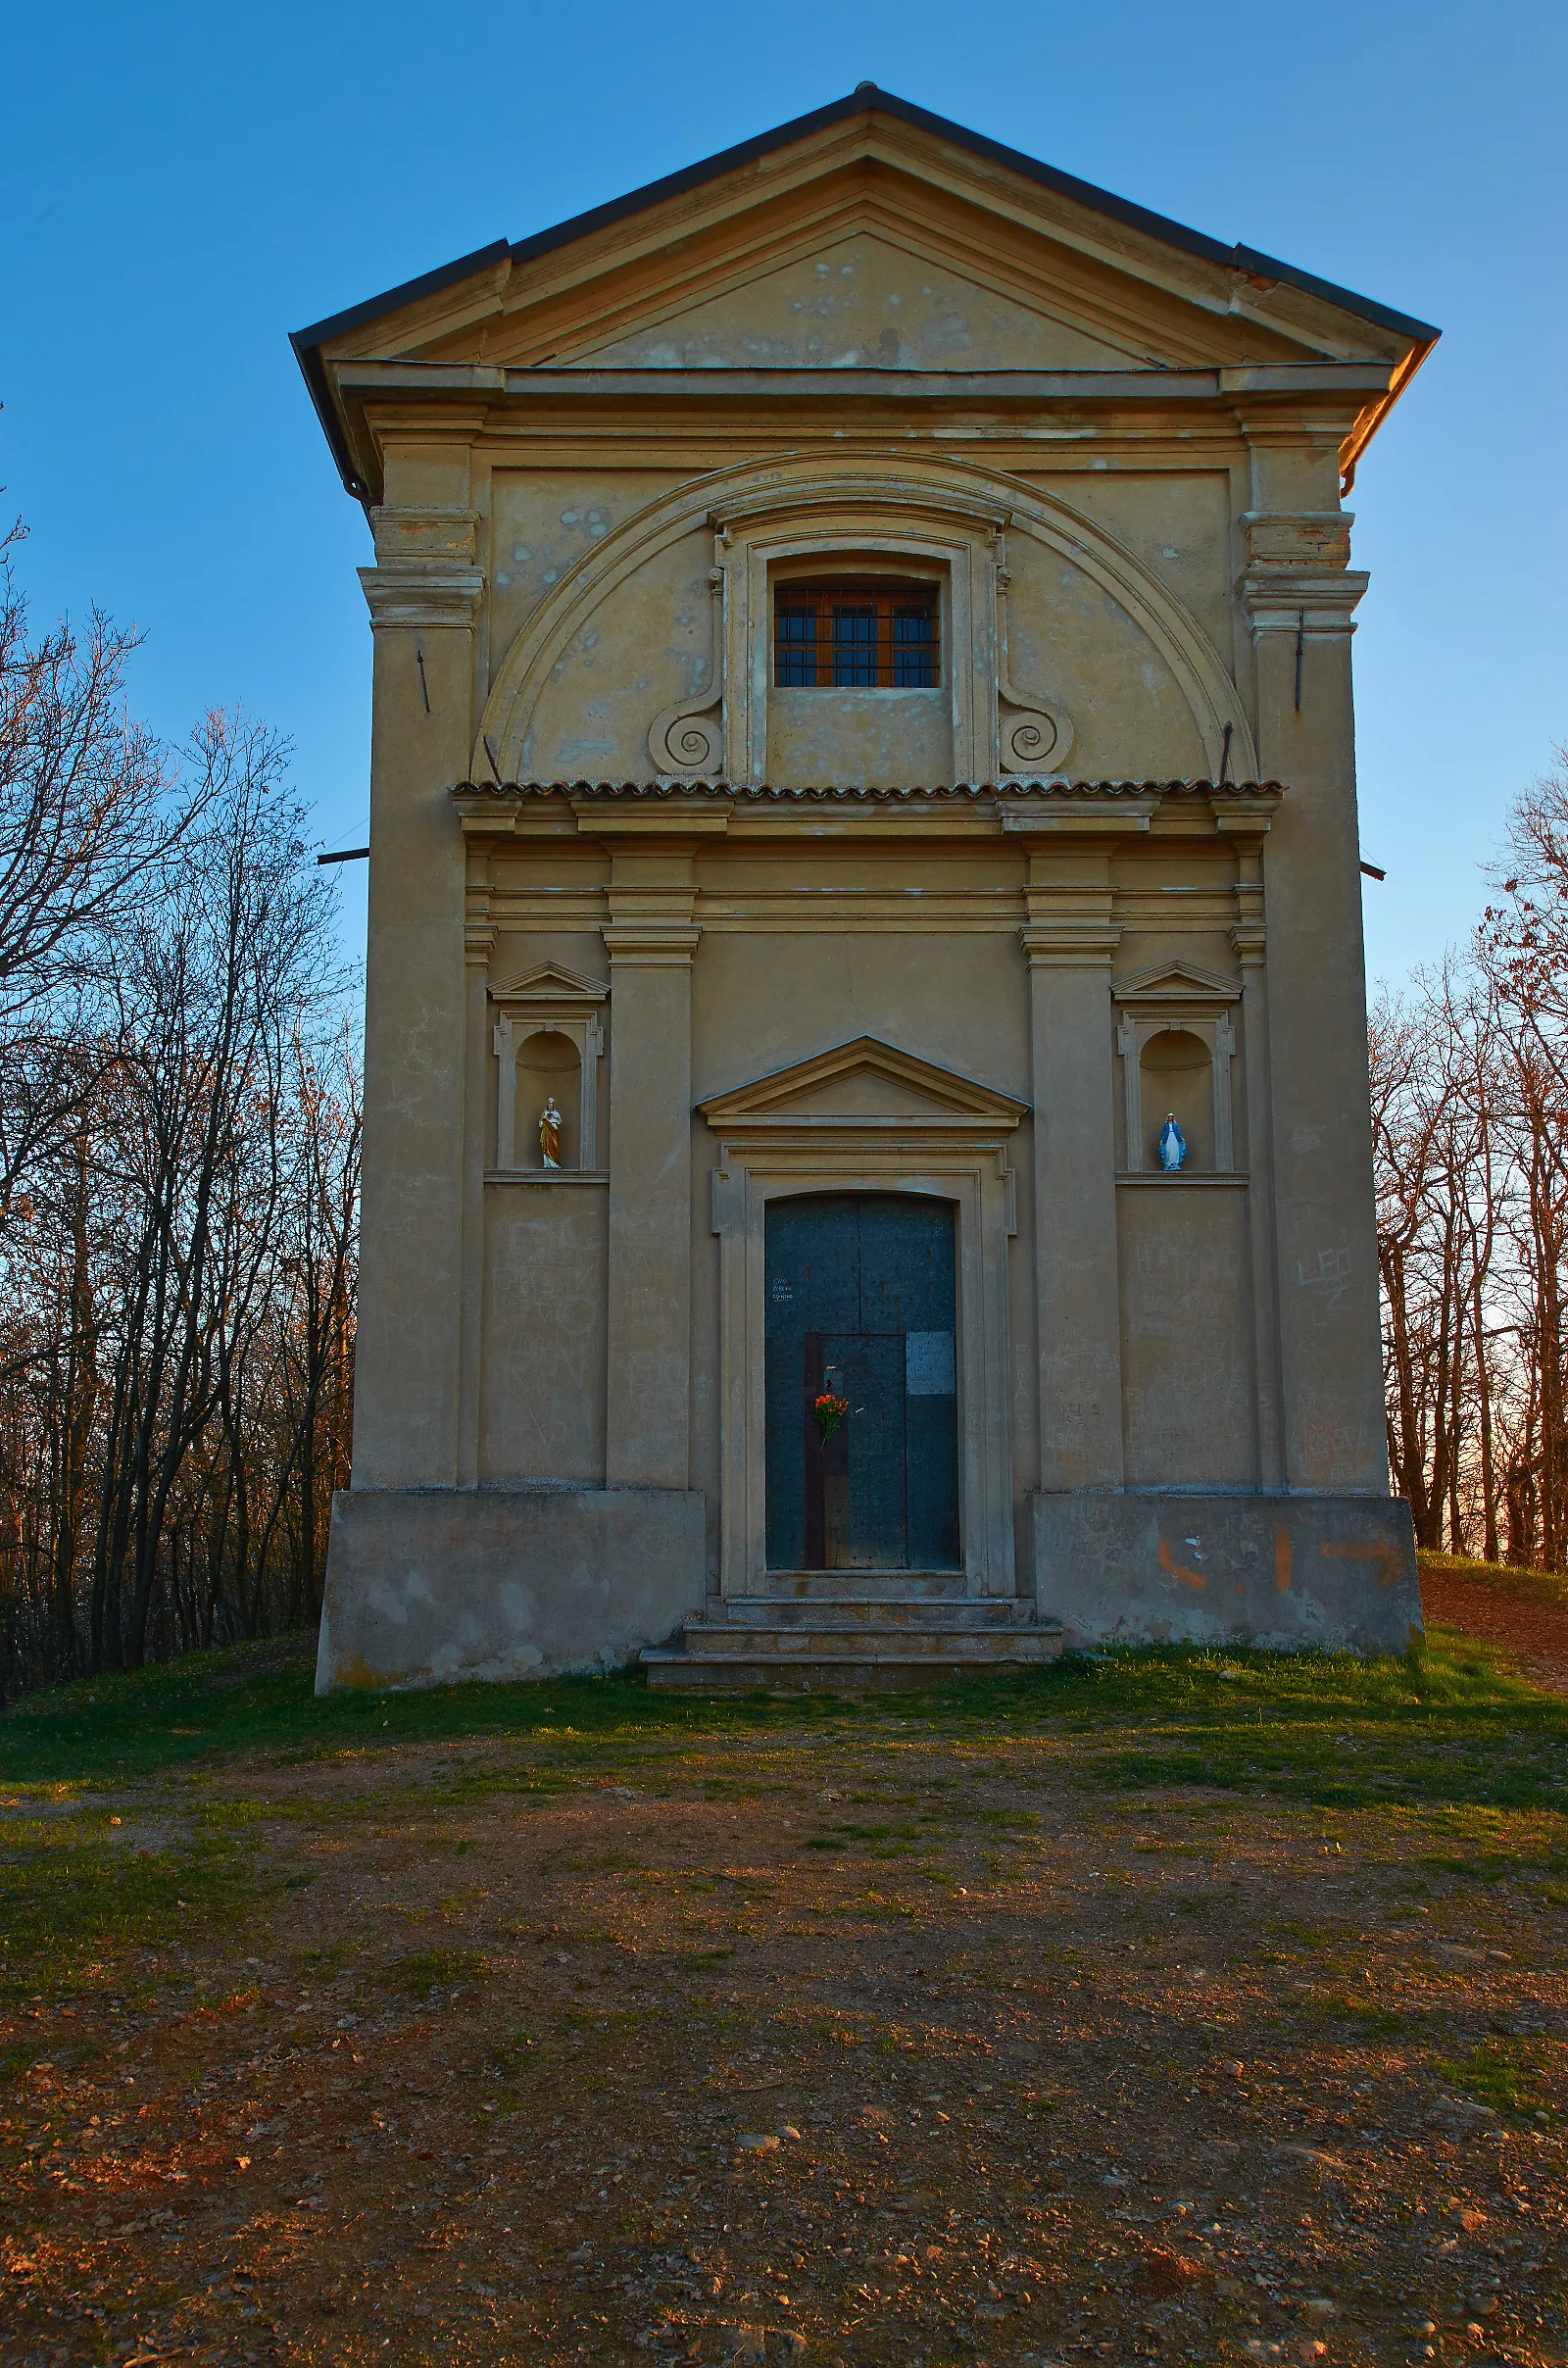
1311	600
1249	816
673	810
650	941
1074	817
602	820
418	382
474	794
415	593
1069	945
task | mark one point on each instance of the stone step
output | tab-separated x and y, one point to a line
869	1585
866	1671
721	1638
864	1612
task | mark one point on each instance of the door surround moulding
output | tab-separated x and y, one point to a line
779	1137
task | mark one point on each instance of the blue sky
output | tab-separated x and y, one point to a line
183	186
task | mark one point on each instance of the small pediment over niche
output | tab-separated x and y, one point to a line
867	1082
1174	982
548	982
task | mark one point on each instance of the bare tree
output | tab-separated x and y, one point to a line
179	1137
1470	1118
211	983
88	809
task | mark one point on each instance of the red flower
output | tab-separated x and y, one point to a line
829	1411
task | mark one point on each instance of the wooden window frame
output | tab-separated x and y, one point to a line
817	661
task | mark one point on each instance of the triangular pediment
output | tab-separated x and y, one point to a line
873	297
548	982
867	1081
1175	981
988	221
949	252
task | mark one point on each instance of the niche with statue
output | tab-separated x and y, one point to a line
546	1126
1177	1074
1176	1036
548	1039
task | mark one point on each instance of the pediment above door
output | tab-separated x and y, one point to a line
864	1088
548	982
1174	982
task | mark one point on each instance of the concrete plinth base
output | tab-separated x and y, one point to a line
1330	1573
426	1586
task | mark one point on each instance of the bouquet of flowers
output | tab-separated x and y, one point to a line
829	1411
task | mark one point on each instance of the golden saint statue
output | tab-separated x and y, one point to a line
550	1133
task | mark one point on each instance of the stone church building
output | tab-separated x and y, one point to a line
866	1155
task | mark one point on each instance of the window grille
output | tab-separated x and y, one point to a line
870	636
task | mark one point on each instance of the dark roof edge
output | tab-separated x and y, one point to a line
306	341
429	283
308	344
1269	267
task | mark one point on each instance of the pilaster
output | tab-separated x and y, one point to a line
479	944
1069	938
1299	596
412	1412
1247	937
650	938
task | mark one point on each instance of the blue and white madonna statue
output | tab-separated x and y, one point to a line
1172	1145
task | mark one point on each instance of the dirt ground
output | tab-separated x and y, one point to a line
907	2046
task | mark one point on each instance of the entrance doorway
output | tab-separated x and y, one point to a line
861	1302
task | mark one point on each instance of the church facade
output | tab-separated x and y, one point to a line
866	1156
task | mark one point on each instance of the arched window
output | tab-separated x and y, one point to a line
856	633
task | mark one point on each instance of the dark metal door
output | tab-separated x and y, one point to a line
861	1296
863	1522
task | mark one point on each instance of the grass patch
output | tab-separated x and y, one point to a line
69	1889
421	1972
1513	2076
106	1730
1450	1724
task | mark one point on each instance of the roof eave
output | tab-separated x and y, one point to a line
308	344
866	99
1372	418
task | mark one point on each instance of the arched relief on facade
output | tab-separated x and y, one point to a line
952	511
1176	1036
548	1038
